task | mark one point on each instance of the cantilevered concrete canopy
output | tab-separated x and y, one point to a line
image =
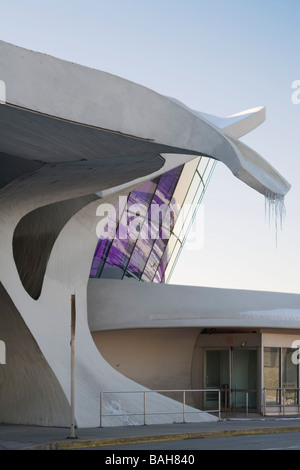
88	97
171	306
69	137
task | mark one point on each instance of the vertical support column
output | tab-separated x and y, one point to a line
101	408
73	323
144	408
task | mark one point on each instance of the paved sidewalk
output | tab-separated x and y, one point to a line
18	437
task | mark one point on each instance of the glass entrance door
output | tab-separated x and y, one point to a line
244	378
234	371
217	376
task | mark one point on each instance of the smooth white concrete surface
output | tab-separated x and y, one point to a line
238	124
48	320
79	132
74	93
168	306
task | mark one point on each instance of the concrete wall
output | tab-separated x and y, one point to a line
283	339
156	358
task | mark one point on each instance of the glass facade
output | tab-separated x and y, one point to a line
234	372
281	374
144	236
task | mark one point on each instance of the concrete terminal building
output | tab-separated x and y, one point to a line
73	142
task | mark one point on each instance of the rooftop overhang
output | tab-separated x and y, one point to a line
147	305
55	111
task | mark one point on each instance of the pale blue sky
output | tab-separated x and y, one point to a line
217	56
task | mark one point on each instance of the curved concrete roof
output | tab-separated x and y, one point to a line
238	124
146	305
127	119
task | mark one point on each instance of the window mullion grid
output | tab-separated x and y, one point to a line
111	242
146	219
153	277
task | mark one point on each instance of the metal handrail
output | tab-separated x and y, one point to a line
246	391
145	413
282	399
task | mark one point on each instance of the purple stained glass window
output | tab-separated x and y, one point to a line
156	254
140	253
143	194
117	252
143	252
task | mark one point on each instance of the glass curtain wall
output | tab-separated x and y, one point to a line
281	373
144	237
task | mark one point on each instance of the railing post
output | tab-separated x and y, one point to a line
101	404
184	411
144	408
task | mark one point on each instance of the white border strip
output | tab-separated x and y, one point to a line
2	92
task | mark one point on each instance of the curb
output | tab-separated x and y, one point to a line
83	444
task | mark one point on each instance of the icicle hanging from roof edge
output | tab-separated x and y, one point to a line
275	209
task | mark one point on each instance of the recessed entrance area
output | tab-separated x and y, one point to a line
256	371
230	362
234	371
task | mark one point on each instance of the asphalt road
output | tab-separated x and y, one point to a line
282	441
